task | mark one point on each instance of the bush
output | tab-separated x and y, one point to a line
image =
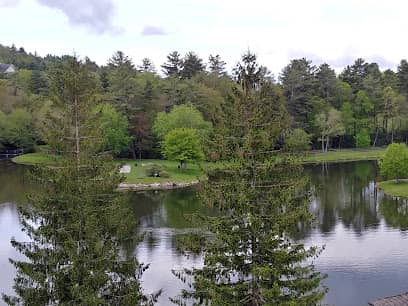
362	139
297	141
154	170
164	174
394	164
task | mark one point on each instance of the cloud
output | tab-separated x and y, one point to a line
153	30
96	15
9	3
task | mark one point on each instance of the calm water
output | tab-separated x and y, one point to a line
364	232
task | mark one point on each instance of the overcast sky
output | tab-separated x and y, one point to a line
333	31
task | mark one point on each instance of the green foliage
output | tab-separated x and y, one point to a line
192	65
77	221
174	65
17	130
153	170
330	124
183	145
182	116
299	86
114	128
250	258
297	141
394	164
362	139
348	118
23	79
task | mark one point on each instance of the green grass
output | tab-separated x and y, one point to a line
34	159
194	172
344	155
137	174
395	189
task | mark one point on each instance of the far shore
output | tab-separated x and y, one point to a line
137	180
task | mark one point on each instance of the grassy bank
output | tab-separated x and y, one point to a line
394	189
137	174
344	155
37	158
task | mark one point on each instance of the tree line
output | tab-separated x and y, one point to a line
360	107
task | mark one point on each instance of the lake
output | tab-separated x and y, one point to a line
365	233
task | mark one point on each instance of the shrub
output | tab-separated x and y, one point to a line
298	141
394	164
362	139
154	170
164	174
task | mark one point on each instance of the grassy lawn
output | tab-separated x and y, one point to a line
194	172
344	155
395	189
137	174
37	158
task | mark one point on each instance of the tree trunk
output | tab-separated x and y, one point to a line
322	143
183	164
392	130
327	142
376	136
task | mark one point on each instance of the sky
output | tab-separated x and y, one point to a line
332	31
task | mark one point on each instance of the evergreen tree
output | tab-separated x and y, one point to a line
249	258
355	74
299	86
216	65
38	84
104	79
326	79
77	222
121	71
146	66
390	78
174	65
403	77
192	65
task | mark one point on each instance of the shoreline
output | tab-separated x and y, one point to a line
394	189
134	182
156	186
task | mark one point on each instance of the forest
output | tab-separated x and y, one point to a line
362	106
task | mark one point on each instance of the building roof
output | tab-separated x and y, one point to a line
4	67
397	300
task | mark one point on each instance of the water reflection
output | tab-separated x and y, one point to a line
364	231
345	193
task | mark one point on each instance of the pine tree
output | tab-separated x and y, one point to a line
77	222
216	65
249	257
299	86
121	71
403	77
326	79
174	65
192	65
146	66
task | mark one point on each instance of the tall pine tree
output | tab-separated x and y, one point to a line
77	222
249	258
